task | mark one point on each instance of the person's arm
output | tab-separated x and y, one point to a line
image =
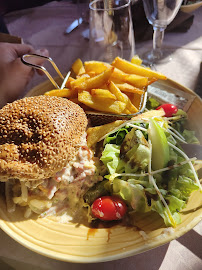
14	75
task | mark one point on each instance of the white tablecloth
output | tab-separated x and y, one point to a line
44	27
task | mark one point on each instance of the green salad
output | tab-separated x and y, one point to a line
143	165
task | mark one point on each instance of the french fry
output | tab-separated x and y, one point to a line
136	60
131	68
91	74
116	80
118	94
78	67
122	97
75	100
125	87
102	93
105	86
126	111
152	80
83	75
137	80
70	79
94	134
106	105
135	99
96	66
148	114
76	83
68	93
130	106
97	81
114	88
119	76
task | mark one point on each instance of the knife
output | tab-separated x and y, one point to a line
192	150
73	25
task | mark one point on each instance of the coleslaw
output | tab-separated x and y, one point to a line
58	194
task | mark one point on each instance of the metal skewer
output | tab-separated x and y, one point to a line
43	68
65	80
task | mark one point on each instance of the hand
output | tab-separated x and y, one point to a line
14	75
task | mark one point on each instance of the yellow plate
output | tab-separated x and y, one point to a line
69	242
190	8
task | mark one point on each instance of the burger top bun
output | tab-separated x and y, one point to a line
38	136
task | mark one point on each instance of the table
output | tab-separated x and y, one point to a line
47	24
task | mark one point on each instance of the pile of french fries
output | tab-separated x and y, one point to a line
114	88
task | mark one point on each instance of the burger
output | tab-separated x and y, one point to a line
45	163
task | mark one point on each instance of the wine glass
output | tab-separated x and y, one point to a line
159	13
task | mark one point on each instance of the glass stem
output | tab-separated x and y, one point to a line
157	41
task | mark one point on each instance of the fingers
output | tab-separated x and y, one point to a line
43	52
21	49
27	72
18	50
40	61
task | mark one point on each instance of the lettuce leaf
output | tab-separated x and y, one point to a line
152	104
110	158
117	137
162	211
186	186
190	137
134	195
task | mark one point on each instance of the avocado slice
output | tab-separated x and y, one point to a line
160	147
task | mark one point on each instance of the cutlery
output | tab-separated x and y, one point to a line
74	25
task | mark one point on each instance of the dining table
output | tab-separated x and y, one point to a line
44	27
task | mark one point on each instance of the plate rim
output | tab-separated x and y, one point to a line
87	259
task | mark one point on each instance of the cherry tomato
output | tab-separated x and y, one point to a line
109	208
169	109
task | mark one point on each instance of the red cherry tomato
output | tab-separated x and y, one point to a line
169	109
109	208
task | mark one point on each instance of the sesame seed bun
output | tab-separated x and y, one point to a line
38	136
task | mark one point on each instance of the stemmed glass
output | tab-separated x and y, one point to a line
159	13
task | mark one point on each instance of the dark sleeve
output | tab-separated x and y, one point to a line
3	28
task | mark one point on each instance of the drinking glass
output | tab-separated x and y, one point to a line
111	30
159	13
